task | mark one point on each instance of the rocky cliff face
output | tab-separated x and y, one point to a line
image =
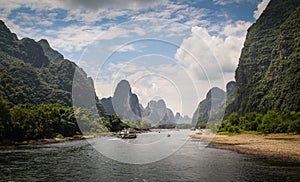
51	54
28	75
268	74
157	113
124	102
177	116
108	106
182	119
211	108
231	91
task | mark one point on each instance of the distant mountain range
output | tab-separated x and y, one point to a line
126	104
182	119
157	113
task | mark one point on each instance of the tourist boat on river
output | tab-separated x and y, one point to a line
127	133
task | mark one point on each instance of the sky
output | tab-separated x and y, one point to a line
172	50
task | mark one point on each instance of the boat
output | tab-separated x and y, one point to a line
168	135
127	133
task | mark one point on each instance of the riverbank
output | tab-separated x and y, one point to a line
61	139
55	140
280	146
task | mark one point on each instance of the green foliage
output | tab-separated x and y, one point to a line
165	126
30	73
4	119
201	125
268	73
43	121
145	125
295	126
89	122
271	122
114	123
36	89
234	119
251	121
28	121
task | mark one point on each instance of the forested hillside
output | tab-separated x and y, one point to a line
31	73
268	74
36	85
267	97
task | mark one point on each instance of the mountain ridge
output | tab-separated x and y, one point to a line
30	76
268	73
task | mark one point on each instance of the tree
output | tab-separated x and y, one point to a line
269	122
295	126
234	119
145	124
4	119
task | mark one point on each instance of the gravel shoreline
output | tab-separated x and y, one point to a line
279	146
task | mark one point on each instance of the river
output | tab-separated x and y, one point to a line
83	160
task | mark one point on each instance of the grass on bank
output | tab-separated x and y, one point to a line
285	139
241	132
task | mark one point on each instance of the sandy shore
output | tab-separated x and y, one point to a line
281	146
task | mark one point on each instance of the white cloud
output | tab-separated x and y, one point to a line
260	8
72	38
236	29
225	2
209	57
22	31
123	48
75	37
124	4
211	60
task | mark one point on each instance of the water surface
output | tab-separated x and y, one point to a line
80	161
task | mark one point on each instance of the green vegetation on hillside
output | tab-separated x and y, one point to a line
268	73
38	89
271	122
32	72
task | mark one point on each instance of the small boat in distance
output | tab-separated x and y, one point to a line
193	129
127	133
168	135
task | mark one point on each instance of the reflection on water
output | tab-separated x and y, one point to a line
79	161
147	148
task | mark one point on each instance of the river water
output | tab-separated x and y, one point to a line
82	160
